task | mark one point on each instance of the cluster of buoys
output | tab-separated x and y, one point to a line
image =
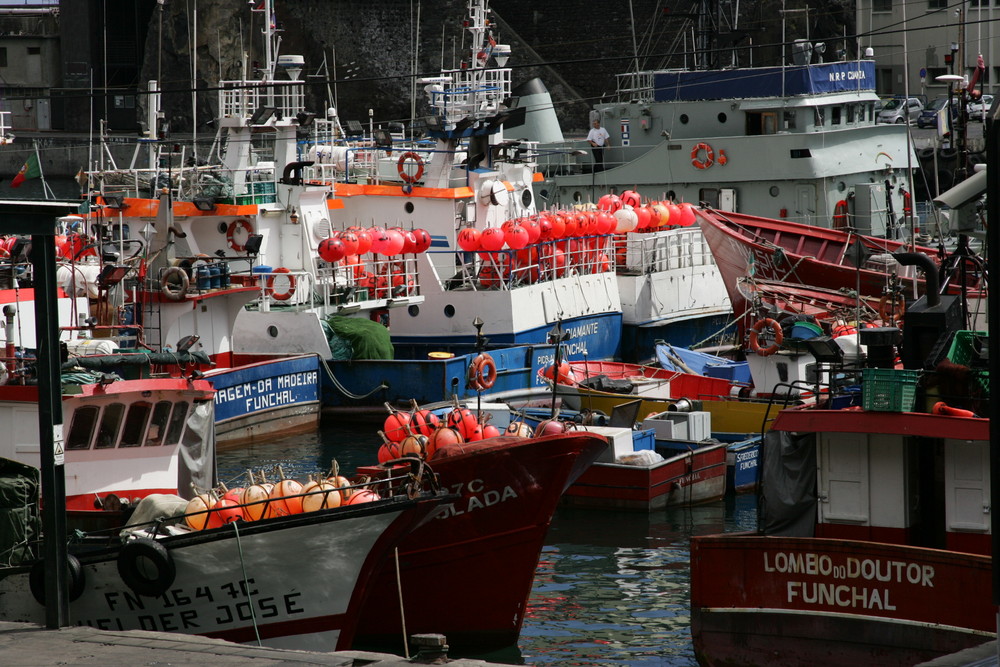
387	242
564	375
633	215
261	499
420	432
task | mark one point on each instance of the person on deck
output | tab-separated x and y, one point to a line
598	138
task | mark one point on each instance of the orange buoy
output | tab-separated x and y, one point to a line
198	510
395	424
414	444
363	496
320	495
942	408
443	436
285	498
255	501
224	510
554	427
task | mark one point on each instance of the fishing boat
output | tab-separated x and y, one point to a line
788	252
867	510
797	141
195	572
485	543
862	562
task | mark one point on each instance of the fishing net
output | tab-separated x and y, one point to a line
366	339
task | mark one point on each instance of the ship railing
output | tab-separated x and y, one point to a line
537	263
635	87
473	94
257	101
375	282
663	250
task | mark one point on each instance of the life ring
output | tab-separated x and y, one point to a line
907	203
840	215
696	156
77	579
281	296
486	373
401	167
757	329
475	382
174	283
891	309
239	223
146	567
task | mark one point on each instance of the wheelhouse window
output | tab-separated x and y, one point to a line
835	115
818	117
81	429
111	421
158	424
761	122
135	424
709	197
177	420
789	118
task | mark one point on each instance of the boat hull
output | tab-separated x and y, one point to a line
467	573
691	478
238	586
265	398
795	601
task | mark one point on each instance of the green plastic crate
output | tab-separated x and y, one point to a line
962	352
888	390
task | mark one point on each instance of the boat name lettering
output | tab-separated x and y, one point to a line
750	456
265	393
478	498
839	595
681	482
181	609
849	75
871	569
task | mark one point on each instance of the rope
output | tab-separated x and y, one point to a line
246	582
402	616
344	390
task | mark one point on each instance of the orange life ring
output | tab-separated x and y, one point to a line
281	296
240	223
401	167
696	156
473	377
486	373
840	215
891	309
757	329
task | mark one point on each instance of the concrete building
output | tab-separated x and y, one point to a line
29	64
915	42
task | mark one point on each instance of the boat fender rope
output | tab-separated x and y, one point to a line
146	567
757	329
246	582
240	223
77	579
696	156
401	167
174	283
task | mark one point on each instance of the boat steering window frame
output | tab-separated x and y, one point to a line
82	427
158	423
136	422
178	418
760	123
111	421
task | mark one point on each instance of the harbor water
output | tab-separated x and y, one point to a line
611	588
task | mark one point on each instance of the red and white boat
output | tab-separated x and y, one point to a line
790	252
881	554
482	548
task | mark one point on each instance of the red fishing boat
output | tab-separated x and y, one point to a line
879	549
813	256
468	571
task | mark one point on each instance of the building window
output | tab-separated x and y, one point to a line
933	73
34	50
881	5
3	56
937	4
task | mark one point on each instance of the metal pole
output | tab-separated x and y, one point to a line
993	323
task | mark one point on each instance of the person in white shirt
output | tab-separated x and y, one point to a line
598	138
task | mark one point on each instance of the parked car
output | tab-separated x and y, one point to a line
928	117
898	109
978	109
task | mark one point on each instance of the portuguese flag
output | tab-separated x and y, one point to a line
29	170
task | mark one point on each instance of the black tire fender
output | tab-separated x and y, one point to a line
146	567
77	579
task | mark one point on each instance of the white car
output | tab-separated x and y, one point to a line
978	109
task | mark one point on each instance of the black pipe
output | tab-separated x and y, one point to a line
295	167
924	262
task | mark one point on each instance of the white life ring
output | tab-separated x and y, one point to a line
174	283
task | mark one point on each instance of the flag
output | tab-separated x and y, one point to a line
31	169
943	121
